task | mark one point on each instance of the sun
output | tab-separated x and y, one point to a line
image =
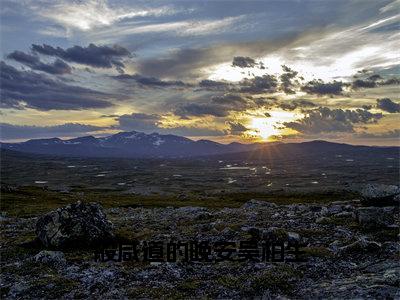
264	127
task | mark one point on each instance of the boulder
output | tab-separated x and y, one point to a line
83	223
380	195
361	246
274	234
55	258
375	217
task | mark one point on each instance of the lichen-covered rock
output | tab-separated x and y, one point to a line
56	258
380	195
76	223
375	217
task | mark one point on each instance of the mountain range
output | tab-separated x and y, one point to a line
138	144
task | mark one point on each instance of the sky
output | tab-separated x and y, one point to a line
244	71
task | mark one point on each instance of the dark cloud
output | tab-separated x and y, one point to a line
391	134
390	81
267	114
236	128
201	109
10	131
296	104
388	105
259	84
150	81
58	67
34	90
92	55
324	119
321	88
214	85
373	81
243	62
218	106
287	80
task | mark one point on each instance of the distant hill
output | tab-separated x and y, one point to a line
137	145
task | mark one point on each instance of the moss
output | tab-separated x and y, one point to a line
313	233
16	253
340	221
317	252
383	234
126	233
188	286
31	268
154	293
281	278
51	287
229	281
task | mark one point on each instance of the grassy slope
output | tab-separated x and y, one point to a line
33	201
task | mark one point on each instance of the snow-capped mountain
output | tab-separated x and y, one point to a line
127	144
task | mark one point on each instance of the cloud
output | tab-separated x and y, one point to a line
391	134
217	106
10	131
58	67
325	120
139	121
214	85
296	104
243	62
91	14
373	81
259	84
236	128
21	89
193	63
150	81
287	80
203	109
321	88
92	55
388	105
153	123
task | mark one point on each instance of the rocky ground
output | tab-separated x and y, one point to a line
351	250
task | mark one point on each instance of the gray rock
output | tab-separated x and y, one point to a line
344	214
334	209
375	217
334	246
380	194
293	237
360	246
56	258
75	223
